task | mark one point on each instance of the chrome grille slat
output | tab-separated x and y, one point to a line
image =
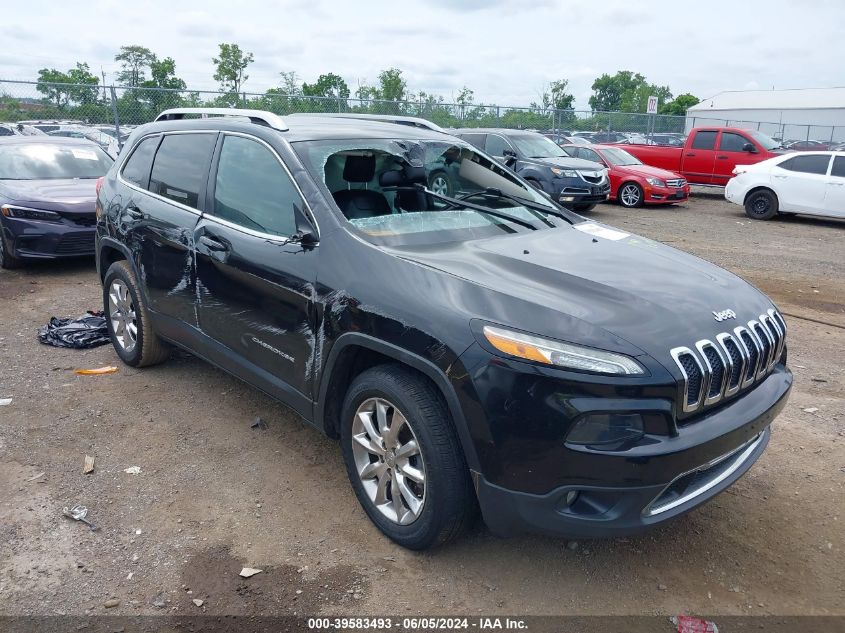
712	371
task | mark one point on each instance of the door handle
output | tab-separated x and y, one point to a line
690	153
213	245
722	157
781	177
134	212
836	184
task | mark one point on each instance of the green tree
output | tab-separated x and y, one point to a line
561	98
680	104
464	100
48	78
163	77
625	91
134	59
231	66
329	85
392	86
87	86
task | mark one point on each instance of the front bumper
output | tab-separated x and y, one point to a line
571	191
38	239
666	195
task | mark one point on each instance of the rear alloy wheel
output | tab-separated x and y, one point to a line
404	459
761	205
7	260
630	195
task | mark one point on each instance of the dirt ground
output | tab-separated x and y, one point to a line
214	494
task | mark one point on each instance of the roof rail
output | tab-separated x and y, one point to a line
261	117
412	121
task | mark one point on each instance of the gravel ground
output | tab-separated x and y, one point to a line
214	494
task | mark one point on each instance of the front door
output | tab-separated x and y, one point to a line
255	285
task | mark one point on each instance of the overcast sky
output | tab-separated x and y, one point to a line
505	50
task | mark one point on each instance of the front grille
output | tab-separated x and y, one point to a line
676	182
84	220
592	179
76	244
713	371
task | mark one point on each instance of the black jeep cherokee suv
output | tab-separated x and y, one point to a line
575	183
488	347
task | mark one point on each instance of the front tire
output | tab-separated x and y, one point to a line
404	459
630	195
440	183
128	319
7	260
761	205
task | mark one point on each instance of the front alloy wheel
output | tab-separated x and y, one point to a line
440	185
122	314
631	195
388	460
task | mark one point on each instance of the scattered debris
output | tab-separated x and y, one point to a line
572	545
247	572
89	330
810	409
662	587
690	624
197	602
111	603
159	602
813	379
109	369
132	470
38	476
88	465
258	423
5	401
78	513
390	558
129	575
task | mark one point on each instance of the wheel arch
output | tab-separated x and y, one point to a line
108	252
353	353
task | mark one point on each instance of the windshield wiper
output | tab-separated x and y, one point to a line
454	202
492	191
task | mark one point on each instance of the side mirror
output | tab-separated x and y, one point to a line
749	147
305	232
509	156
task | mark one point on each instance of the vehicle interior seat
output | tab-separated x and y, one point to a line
360	203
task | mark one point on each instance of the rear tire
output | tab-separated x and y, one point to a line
761	205
7	260
128	319
630	195
418	495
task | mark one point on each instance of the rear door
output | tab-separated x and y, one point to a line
729	155
800	182
699	157
160	215
255	285
834	196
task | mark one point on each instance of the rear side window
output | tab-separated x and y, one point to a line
137	168
474	139
704	140
812	164
4	131
732	142
180	167
838	167
252	189
496	145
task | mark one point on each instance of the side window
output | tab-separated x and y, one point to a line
731	142
474	139
4	131
180	167
589	154
253	190
704	140
137	168
838	167
811	164
496	145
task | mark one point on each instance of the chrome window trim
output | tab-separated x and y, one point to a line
676	353
746	382
722	338
765	363
742	453
701	346
306	206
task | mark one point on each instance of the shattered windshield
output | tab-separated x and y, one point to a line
423	191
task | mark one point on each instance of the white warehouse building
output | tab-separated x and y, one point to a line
799	114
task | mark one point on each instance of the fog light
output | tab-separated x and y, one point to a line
607	431
567	198
571	497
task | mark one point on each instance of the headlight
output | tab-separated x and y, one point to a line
567	173
11	211
560	354
655	182
607	430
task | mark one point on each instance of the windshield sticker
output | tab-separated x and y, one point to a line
601	231
84	154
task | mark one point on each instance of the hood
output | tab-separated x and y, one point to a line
647	171
71	195
651	296
565	162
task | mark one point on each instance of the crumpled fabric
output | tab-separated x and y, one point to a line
89	330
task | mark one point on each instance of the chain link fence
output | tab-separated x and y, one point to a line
122	108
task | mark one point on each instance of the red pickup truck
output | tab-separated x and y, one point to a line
709	154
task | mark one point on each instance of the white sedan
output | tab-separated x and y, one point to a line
806	182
